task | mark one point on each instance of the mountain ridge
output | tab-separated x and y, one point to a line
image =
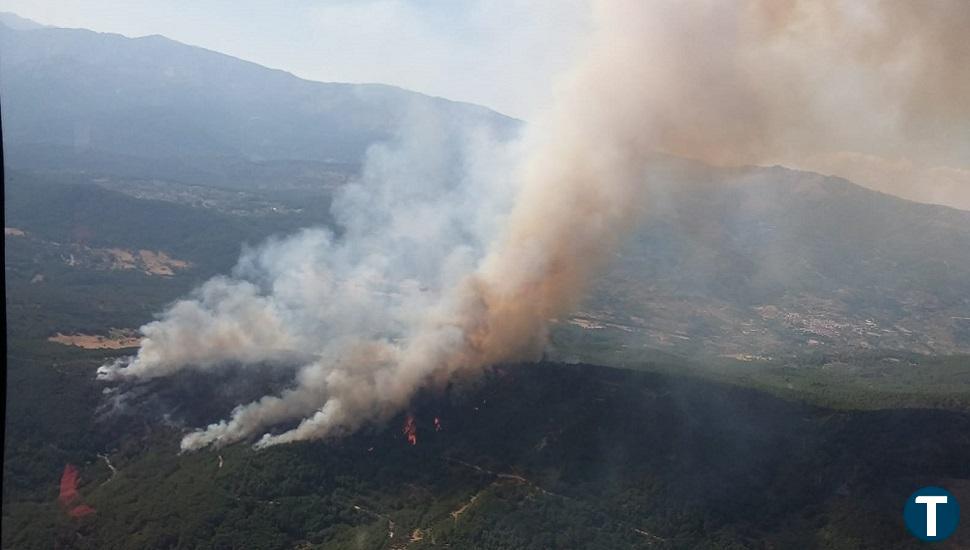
183	99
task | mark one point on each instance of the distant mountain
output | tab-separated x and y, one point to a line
14	21
72	93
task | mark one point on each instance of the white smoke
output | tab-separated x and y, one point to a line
456	250
413	225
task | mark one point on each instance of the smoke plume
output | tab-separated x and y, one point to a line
456	250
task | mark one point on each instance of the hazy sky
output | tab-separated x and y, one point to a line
502	54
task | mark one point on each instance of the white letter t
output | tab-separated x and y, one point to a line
930	503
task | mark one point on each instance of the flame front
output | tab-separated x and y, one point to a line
411	429
69	496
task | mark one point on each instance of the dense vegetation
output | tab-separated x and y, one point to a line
861	380
533	456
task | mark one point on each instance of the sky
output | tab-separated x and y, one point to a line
503	55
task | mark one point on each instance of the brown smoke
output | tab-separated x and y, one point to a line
728	84
830	85
765	81
873	90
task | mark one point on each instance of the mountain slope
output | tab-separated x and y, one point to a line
14	21
154	97
539	456
770	261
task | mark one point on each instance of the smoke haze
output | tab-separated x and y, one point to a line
456	249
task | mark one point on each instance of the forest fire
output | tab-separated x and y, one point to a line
80	511
69	495
411	430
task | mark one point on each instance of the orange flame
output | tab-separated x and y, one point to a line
69	496
411	430
69	479
80	511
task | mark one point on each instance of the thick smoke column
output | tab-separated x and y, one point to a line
874	90
455	257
